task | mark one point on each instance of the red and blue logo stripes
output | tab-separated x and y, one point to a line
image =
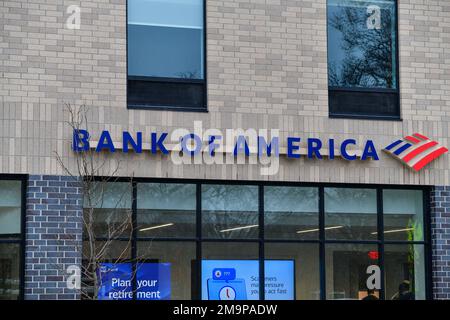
416	151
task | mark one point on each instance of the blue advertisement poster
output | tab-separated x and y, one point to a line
239	280
115	281
152	281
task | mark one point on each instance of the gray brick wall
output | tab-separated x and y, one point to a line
440	224
53	236
267	68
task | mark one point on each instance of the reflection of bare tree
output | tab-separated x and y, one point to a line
166	204
287	204
341	197
368	60
188	75
228	207
352	212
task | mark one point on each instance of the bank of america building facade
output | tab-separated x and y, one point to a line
240	149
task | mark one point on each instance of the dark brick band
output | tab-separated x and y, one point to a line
440	236
53	236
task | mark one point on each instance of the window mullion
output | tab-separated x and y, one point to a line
323	292
262	275
198	283
381	241
134	236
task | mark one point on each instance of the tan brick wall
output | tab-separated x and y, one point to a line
267	68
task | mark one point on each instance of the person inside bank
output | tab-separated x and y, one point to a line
404	292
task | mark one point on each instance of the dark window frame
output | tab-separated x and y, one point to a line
172	81
321	242
19	239
380	92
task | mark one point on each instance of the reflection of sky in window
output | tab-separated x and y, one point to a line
175	13
165	38
336	52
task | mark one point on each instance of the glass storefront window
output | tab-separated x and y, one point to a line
350	214
166	210
9	271
10	239
230	242
403	215
230	211
291	213
306	271
405	272
174	265
349	271
108	206
95	256
113	251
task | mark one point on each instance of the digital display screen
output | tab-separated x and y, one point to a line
239	280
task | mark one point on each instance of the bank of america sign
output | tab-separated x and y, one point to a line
416	151
260	147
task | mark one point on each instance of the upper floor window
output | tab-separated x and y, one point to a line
166	54
362	58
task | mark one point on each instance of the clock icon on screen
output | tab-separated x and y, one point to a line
227	293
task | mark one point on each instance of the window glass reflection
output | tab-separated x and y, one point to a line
10	207
165	38
179	260
114	251
405	272
350	214
10	237
291	213
230	211
107	206
292	268
9	271
97	254
306	269
166	210
362	44
351	271
403	215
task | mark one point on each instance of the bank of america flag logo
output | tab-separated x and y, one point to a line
416	151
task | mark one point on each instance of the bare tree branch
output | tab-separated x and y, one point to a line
110	221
